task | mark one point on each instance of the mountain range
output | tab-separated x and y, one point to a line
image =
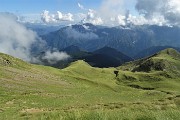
41	29
104	57
129	40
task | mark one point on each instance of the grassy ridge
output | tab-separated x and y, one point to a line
83	92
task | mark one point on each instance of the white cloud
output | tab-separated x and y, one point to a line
119	20
141	20
15	39
30	18
64	17
137	20
112	13
46	17
152	12
54	57
91	17
112	8
81	6
169	10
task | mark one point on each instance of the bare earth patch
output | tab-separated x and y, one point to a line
10	102
32	110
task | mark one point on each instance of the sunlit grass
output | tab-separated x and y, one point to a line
83	92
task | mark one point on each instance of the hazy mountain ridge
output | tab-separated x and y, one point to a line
41	29
127	39
104	57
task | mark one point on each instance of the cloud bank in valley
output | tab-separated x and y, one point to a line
54	57
15	39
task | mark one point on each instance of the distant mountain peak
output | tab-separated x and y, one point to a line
81	25
106	50
88	24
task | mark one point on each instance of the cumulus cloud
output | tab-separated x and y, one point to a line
149	7
92	17
153	12
119	20
114	13
72	33
15	39
46	17
54	57
169	10
141	20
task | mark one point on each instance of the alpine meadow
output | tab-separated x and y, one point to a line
90	60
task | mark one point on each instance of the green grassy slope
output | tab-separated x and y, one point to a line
162	68
82	92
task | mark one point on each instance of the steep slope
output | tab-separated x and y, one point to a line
101	61
9	61
111	52
82	92
106	57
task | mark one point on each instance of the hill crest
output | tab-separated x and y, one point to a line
165	60
7	60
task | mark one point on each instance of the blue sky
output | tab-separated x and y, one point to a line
33	9
37	6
